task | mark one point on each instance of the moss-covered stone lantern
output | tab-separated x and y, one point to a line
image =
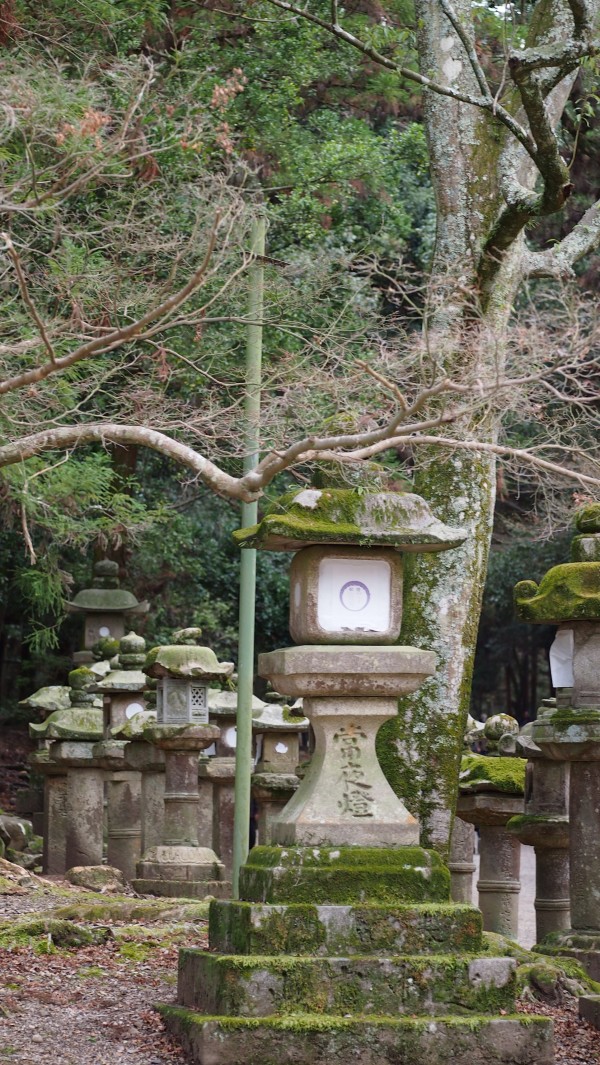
179	866
569	730
105	606
344	945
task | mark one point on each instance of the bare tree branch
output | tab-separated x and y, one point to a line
117	337
70	436
27	300
558	261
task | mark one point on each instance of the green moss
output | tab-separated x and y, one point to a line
81	677
587	520
569	592
502	774
344	875
349	516
45	931
565	718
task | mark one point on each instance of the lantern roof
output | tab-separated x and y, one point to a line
350	516
570	591
186	662
105	595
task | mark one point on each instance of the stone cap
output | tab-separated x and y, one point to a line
349	516
224	703
105	596
275	718
186	662
569	592
85	723
121	680
52	698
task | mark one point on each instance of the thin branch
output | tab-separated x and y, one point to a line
558	261
254	482
27	300
468	46
118	336
487	103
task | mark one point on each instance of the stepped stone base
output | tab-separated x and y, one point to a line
362	928
238	986
350	954
344	875
304	1039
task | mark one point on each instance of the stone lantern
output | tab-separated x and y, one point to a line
122	698
544	825
104	606
569	731
344	945
274	781
179	866
491	789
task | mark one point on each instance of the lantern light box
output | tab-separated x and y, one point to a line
181	702
346	595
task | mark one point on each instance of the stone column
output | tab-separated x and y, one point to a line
219	773
206	804
149	761
461	864
54	852
85	803
499	858
545	826
277	731
179	866
272	792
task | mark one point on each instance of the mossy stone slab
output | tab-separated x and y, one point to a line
344	875
570	592
255	928
319	1040
238	986
480	772
349	516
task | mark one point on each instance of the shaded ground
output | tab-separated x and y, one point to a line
91	1005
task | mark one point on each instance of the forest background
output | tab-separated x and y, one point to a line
238	113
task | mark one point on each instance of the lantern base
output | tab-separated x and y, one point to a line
180	871
318	1040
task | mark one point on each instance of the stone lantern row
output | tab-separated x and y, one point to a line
108	748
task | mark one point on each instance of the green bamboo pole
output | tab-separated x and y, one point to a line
243	751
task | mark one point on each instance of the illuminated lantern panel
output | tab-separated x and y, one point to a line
346	595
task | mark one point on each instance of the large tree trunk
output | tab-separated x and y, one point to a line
471	298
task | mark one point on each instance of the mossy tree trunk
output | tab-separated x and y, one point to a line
478	267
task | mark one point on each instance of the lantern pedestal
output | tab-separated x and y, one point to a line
179	867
